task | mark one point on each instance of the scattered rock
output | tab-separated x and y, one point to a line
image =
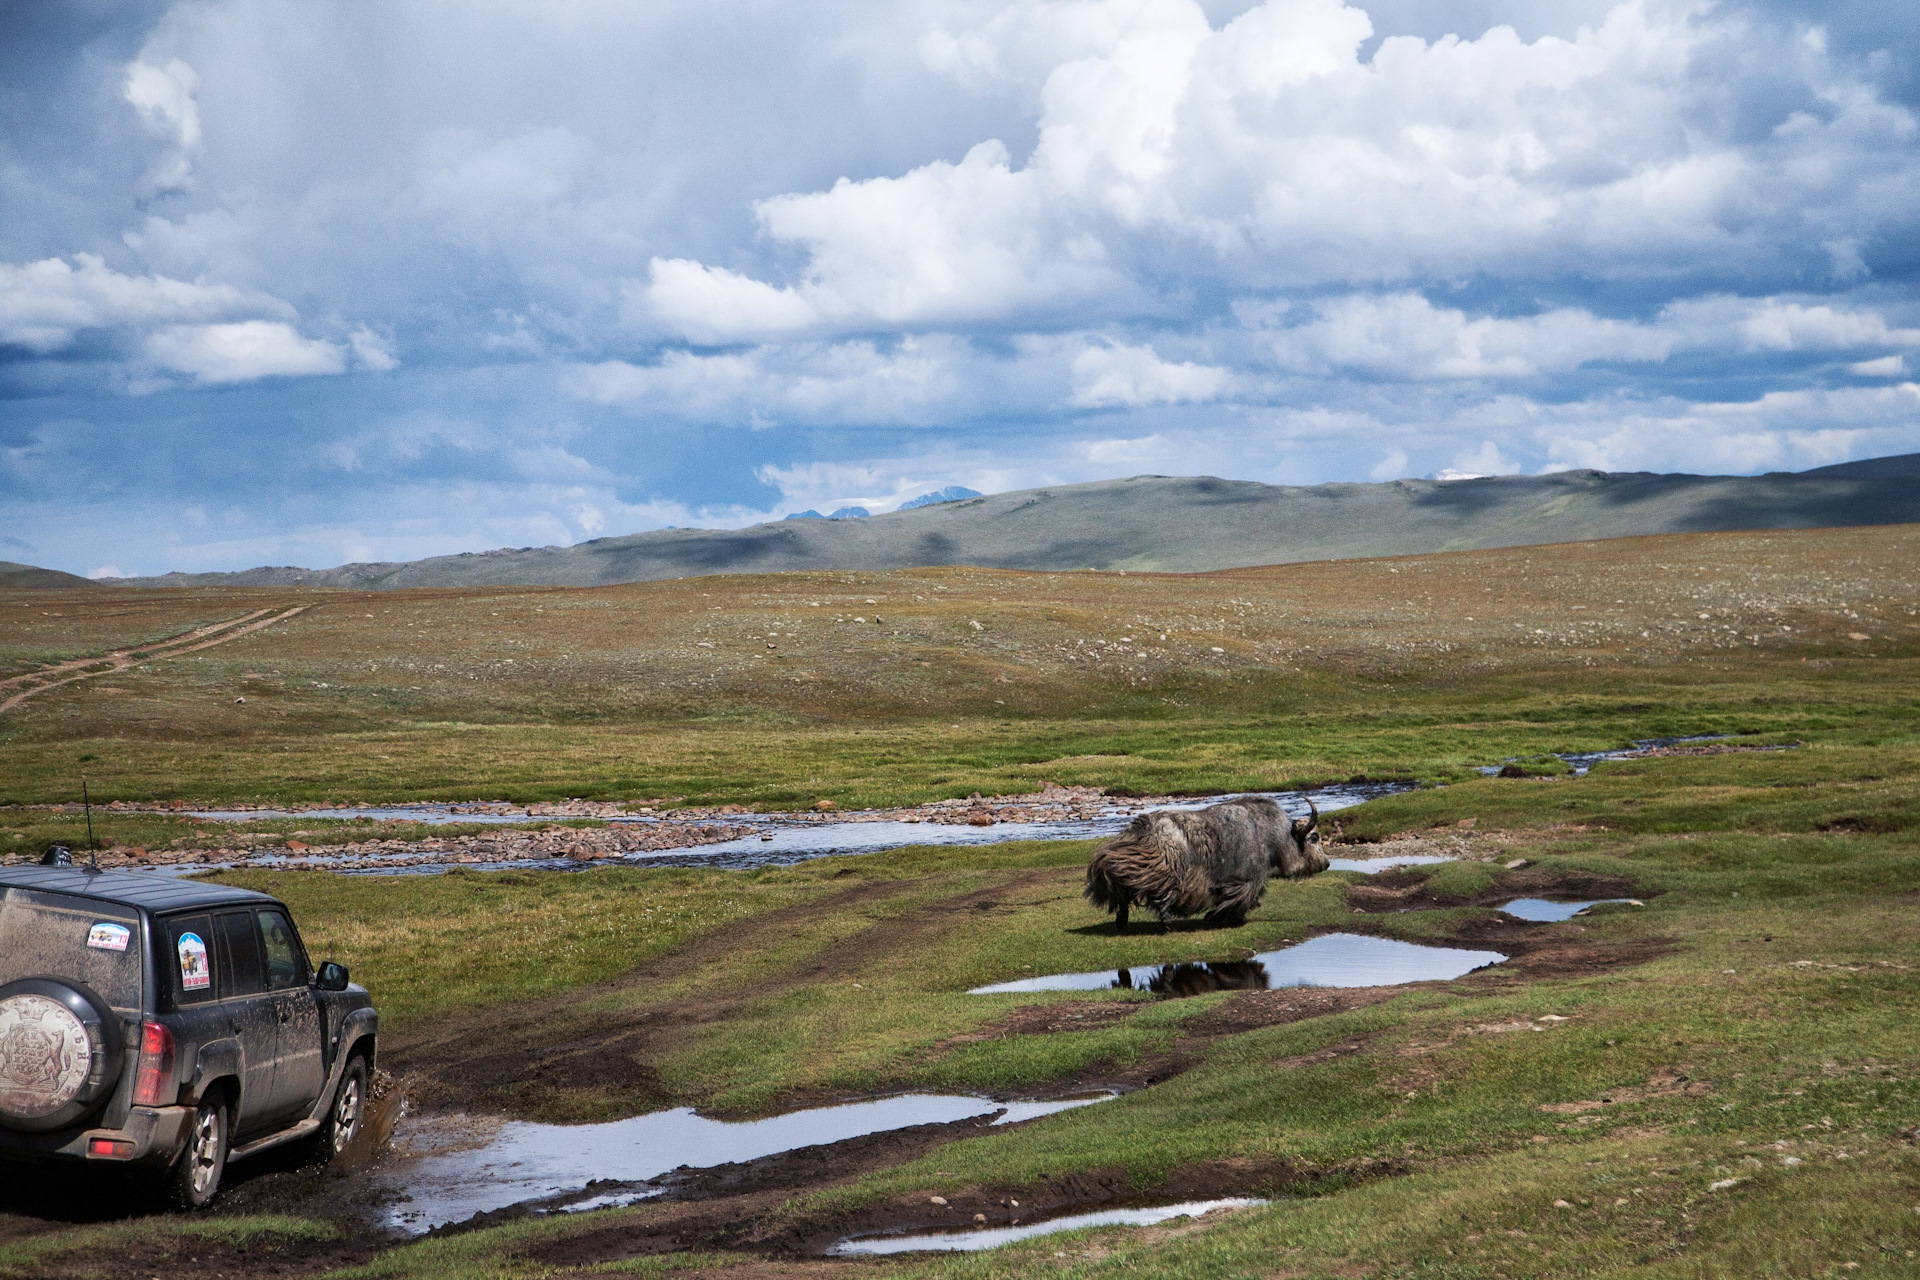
1519	863
1467	824
1723	1184
979	818
1561	1204
823	806
936	1199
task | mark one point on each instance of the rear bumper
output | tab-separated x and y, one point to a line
151	1135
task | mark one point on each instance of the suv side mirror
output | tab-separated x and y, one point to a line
331	977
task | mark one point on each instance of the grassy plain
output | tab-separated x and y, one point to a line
772	691
1718	1083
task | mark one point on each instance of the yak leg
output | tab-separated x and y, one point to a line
1166	921
1120	918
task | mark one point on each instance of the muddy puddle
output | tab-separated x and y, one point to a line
1333	960
993	1237
447	1171
1543	911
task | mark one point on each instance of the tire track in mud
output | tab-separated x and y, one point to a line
76	669
515	1061
503	1060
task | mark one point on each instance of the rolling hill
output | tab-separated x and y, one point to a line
1177	524
17	576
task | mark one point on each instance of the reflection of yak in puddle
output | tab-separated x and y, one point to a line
1198	979
1215	861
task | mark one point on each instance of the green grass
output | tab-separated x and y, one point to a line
113	1244
1428	1151
432	945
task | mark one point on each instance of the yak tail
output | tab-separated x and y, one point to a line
1105	888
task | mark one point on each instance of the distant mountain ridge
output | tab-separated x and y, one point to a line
1176	524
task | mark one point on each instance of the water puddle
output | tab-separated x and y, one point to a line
993	1237
1372	866
520	1161
1541	911
1333	960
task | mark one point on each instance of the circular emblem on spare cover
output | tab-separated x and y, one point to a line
45	1056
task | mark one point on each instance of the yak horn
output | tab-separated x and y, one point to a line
1314	820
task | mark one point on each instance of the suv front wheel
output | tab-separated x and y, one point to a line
195	1177
346	1115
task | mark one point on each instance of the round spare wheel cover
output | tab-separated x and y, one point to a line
60	1053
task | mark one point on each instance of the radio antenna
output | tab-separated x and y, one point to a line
93	850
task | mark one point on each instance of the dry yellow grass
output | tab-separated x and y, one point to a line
644	689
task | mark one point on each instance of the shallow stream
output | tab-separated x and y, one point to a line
781	839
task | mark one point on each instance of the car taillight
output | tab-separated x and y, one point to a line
153	1086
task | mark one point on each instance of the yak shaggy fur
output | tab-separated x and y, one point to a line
1214	862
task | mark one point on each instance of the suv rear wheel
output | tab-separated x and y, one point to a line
194	1179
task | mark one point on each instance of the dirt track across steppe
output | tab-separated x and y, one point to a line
76	669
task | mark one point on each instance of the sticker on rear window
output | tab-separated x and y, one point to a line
195	975
108	937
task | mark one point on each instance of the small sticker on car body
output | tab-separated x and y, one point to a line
195	973
106	936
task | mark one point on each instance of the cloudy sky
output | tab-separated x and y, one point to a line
309	282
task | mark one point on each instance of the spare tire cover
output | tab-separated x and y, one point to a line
60	1053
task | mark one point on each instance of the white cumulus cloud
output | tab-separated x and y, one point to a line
1119	375
242	351
1266	153
45	304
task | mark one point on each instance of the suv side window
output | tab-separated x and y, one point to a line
246	975
190	958
286	960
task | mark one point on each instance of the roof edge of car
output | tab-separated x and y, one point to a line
146	889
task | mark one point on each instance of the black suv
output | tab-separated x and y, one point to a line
171	1024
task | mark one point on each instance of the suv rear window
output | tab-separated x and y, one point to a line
55	936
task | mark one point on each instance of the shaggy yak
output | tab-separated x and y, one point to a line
1215	861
